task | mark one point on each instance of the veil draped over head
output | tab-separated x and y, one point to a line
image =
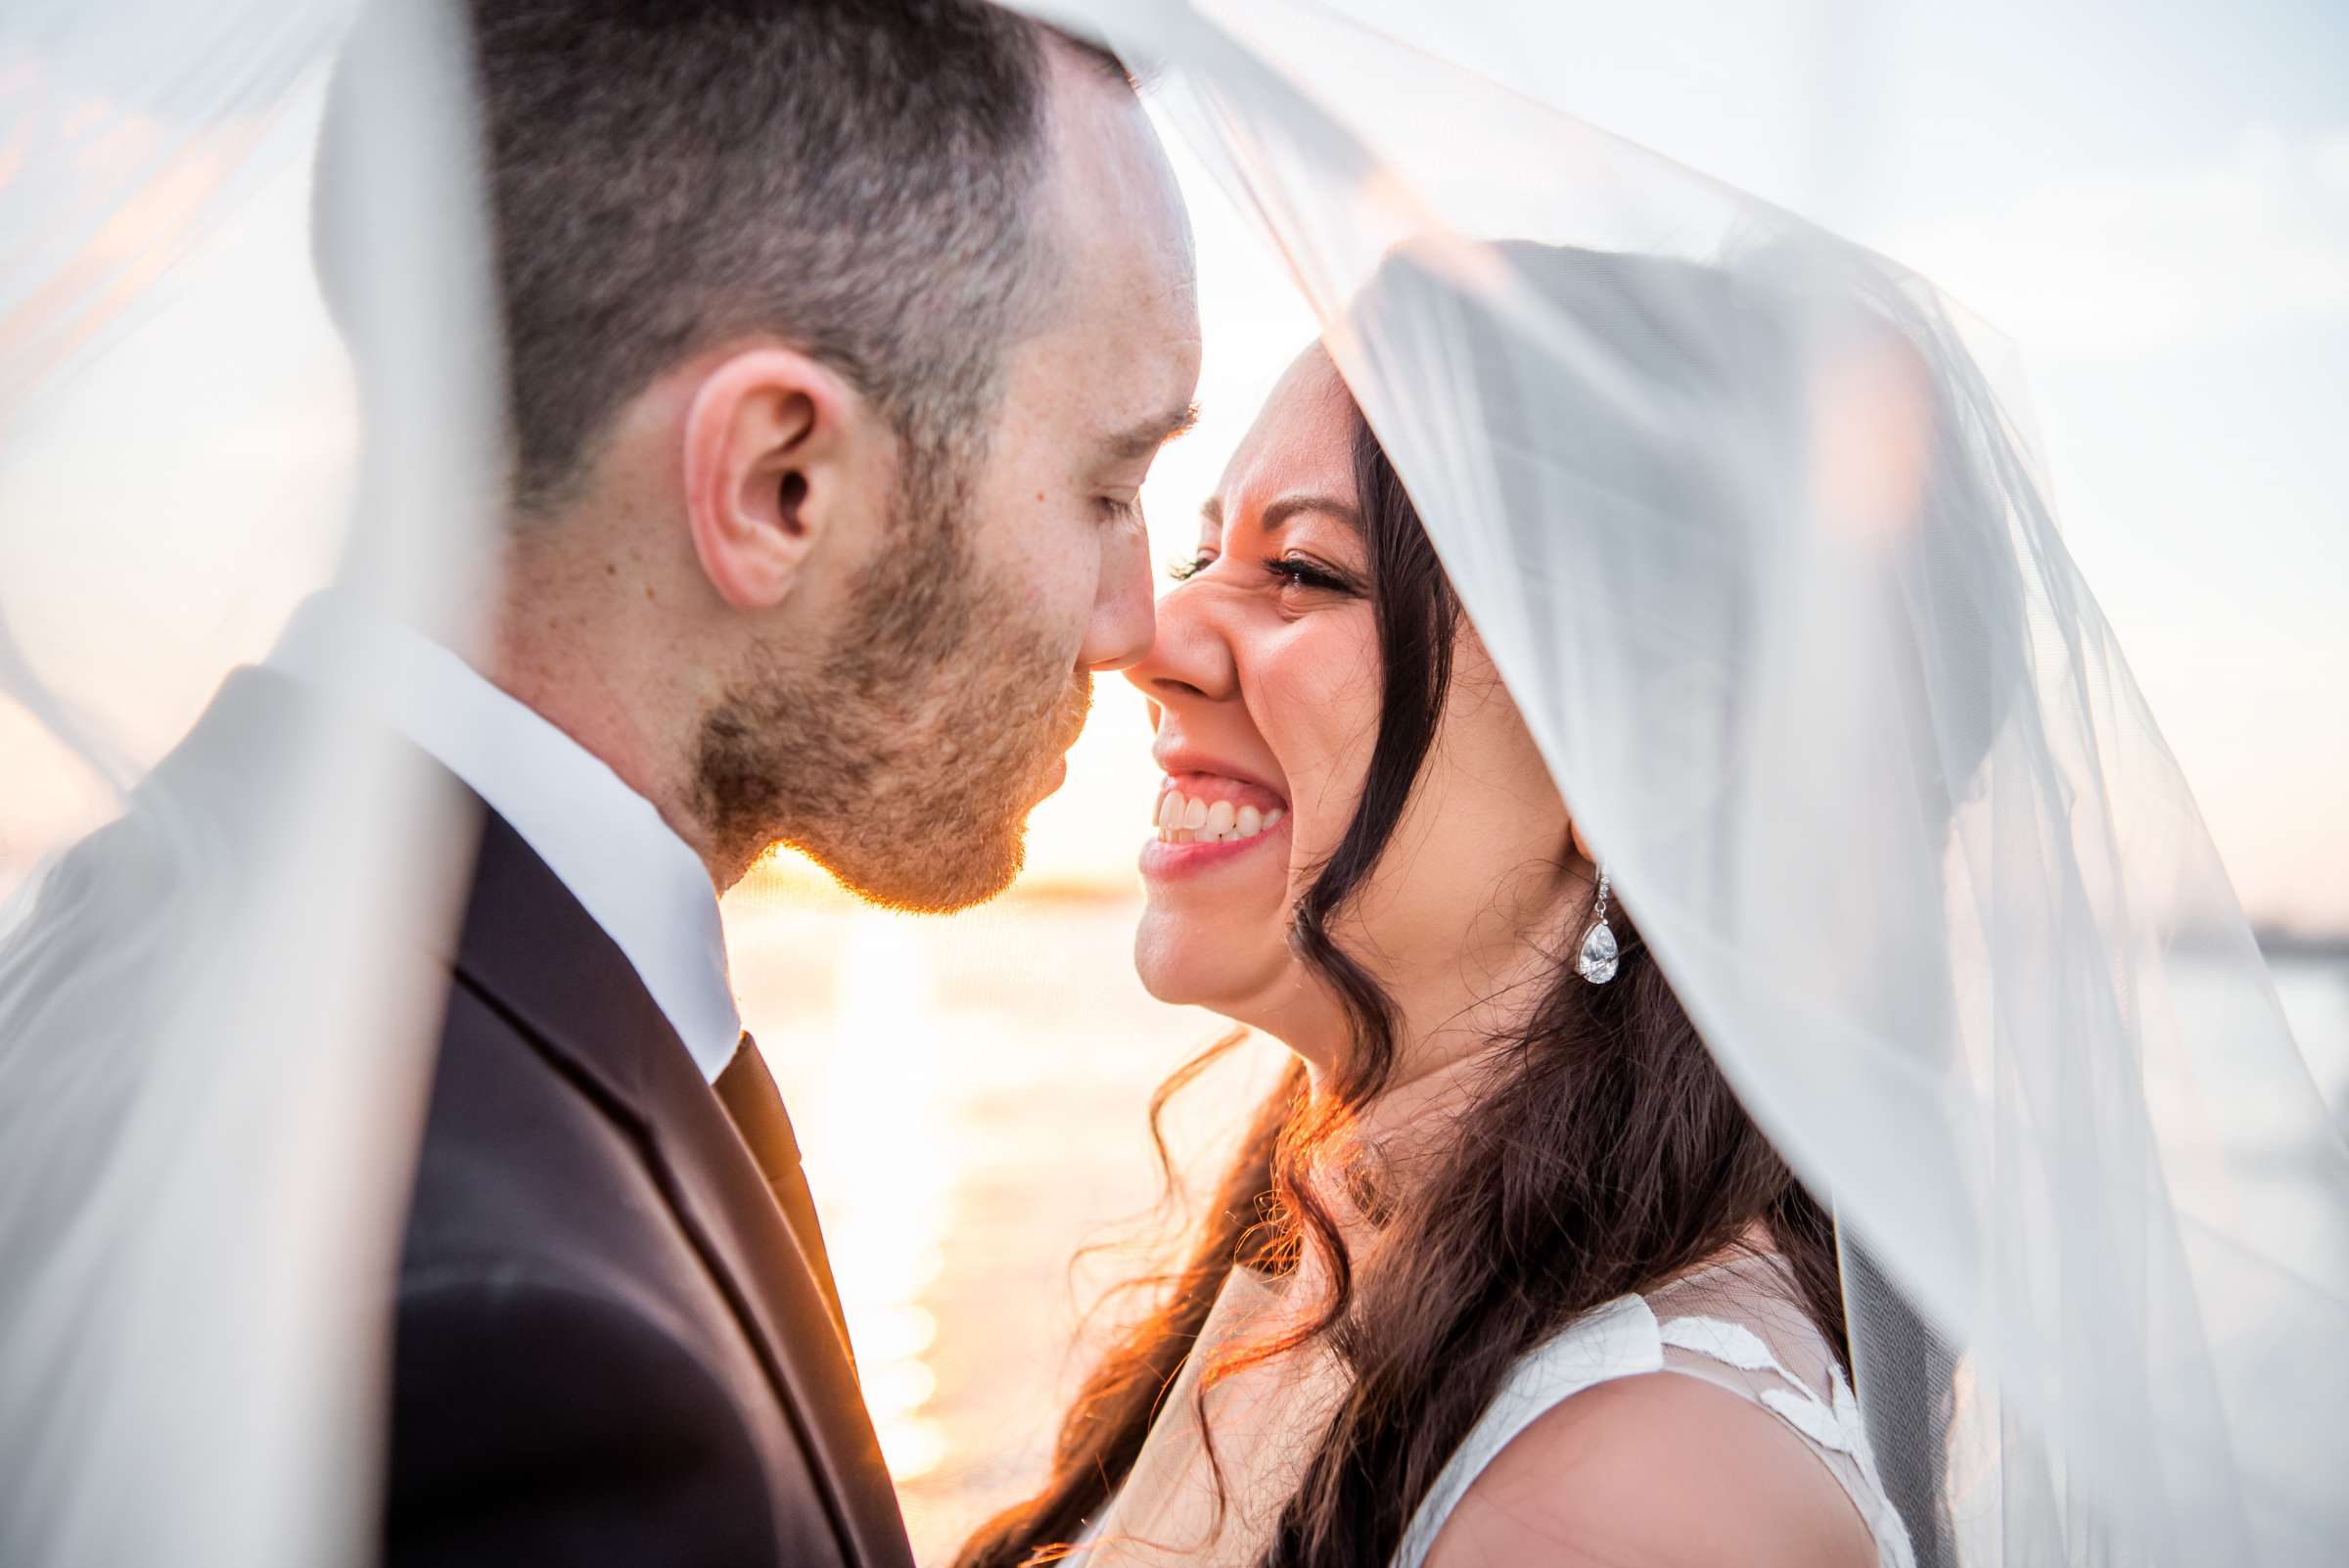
214	1045
1746	515
1750	521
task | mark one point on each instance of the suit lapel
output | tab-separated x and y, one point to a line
753	1103
530	950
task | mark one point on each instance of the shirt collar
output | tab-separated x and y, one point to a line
640	882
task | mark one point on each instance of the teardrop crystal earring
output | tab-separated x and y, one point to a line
1598	958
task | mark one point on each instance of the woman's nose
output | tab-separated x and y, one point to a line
1192	655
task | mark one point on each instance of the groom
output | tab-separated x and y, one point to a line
840	336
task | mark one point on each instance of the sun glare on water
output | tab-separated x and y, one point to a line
969	1094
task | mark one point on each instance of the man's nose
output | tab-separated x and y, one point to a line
1124	618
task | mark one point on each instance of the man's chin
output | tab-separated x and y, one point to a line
938	878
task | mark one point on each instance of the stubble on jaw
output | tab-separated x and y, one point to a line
905	762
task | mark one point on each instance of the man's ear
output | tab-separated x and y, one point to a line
769	468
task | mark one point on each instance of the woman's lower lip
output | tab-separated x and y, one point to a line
1162	860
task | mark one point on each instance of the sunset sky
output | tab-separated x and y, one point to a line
2153	201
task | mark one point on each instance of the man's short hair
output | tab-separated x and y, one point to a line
856	177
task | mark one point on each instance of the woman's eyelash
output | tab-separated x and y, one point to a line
1287	569
1306	574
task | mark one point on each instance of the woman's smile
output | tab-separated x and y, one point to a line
1205	819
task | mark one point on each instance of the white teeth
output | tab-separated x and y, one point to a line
1184	820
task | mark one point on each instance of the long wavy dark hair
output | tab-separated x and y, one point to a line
1606	1155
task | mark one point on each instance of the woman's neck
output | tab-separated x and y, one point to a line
1370	1154
1451	1033
1457	1024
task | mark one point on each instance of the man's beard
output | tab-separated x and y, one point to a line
907	761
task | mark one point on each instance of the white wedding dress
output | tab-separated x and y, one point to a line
1737	1324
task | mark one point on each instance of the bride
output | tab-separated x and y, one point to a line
1504	1272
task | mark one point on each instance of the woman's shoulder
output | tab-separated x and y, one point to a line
1654	1469
1705	1422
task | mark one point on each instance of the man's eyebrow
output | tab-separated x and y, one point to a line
1146	438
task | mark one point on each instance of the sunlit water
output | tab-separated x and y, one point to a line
971	1097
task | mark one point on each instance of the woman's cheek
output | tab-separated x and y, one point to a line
1321	722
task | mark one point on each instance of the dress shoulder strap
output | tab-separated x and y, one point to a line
1820	1408
1620	1339
1750	1345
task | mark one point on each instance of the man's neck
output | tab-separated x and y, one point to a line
579	692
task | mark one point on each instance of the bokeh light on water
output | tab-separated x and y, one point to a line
970	1096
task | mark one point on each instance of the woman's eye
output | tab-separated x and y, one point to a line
1118	509
1305	572
1288	570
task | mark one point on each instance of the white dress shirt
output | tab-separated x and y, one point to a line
640	882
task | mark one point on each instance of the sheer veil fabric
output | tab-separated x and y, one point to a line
1799	638
214	1049
1752	522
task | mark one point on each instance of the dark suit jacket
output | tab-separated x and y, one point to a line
609	1345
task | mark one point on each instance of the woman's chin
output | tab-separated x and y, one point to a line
1158	960
1185	961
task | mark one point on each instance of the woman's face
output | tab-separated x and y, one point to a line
1265	688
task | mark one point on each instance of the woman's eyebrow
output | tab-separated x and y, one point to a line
1288	506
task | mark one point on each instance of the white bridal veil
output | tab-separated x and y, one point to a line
210	1062
1751	522
1798	635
